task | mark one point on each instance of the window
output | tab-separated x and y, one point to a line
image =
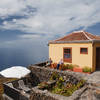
83	50
67	54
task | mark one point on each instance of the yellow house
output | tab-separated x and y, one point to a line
79	47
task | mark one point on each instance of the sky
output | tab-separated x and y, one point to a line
26	26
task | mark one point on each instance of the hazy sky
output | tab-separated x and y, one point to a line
26	26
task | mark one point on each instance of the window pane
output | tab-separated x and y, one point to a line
67	51
83	50
67	56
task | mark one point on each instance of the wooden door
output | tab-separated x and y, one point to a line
98	58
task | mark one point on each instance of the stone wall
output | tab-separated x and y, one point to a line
12	92
38	94
40	74
91	91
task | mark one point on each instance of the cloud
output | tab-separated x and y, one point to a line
5	23
14	20
10	7
52	17
29	36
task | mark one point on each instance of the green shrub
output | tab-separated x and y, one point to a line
70	67
61	86
80	83
64	67
68	89
86	69
43	85
54	76
67	65
59	82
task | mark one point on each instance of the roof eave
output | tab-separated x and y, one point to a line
96	41
81	41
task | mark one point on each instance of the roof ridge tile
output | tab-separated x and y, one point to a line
87	36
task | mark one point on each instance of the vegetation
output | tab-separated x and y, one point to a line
54	76
66	89
43	85
55	65
70	67
86	69
64	67
61	86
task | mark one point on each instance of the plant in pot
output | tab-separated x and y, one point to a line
51	65
55	65
70	67
77	69
63	67
87	70
60	67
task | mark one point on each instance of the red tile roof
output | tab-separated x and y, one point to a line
77	36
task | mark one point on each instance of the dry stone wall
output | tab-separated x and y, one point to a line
40	74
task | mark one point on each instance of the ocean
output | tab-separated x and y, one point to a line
22	54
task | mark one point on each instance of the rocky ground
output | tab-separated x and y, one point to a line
94	77
93	91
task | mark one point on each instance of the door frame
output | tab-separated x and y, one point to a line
96	59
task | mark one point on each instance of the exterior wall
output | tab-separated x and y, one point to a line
94	55
56	53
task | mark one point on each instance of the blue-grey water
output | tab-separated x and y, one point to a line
21	57
17	50
17	57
